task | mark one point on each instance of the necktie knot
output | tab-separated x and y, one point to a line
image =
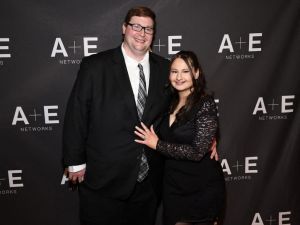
140	66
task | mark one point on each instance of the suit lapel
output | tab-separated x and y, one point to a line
154	73
122	78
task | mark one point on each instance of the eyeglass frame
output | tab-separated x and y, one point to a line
141	28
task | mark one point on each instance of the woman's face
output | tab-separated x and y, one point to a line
181	77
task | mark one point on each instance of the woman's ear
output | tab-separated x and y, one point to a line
197	74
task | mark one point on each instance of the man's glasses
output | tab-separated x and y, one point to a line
138	27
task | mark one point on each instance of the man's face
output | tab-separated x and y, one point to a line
137	42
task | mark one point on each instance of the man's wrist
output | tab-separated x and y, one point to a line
76	168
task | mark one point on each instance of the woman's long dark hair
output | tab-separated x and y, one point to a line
199	84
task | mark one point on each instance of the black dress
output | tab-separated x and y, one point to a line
194	186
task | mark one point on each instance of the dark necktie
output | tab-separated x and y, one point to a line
141	101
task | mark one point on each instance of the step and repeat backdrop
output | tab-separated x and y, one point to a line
250	52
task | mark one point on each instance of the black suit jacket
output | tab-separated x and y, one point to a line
100	119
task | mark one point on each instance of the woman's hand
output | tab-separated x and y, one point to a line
213	149
148	136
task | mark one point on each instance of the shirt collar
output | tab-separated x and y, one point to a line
133	61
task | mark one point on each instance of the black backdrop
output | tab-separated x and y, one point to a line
249	51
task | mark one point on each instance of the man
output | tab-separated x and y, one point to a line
114	91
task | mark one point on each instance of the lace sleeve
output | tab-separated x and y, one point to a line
206	124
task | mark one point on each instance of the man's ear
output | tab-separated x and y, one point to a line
123	28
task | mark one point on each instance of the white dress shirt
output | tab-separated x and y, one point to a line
134	71
134	77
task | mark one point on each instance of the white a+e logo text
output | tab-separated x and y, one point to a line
252	43
283	218
88	43
49	116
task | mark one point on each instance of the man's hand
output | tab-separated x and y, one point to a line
75	177
213	149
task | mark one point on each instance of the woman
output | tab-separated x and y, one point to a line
193	183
